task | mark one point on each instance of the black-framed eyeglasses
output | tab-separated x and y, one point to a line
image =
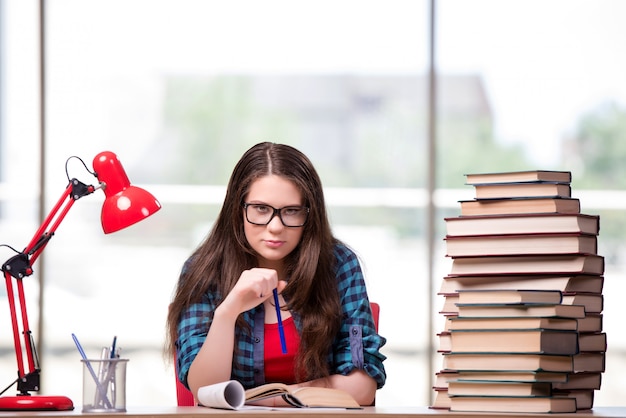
290	216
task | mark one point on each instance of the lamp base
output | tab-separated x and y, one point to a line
35	403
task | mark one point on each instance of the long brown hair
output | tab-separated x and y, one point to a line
221	258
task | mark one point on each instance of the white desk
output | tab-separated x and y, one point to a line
370	412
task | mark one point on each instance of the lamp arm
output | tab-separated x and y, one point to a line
74	191
20	266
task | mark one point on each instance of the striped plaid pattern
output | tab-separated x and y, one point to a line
357	345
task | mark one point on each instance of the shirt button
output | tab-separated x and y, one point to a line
257	340
355	331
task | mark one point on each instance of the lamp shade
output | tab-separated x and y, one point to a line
124	205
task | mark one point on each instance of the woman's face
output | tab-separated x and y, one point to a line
274	241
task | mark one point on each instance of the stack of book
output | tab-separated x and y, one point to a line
523	301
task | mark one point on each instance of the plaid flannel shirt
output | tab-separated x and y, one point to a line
357	346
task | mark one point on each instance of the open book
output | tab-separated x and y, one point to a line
232	395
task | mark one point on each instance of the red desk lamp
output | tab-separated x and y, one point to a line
124	205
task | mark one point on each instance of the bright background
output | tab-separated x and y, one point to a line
180	89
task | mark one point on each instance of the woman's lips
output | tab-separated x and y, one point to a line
274	244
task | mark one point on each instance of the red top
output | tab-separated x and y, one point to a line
279	367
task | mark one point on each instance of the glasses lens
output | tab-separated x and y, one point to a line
259	214
294	215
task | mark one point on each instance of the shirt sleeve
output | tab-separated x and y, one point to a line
358	343
193	327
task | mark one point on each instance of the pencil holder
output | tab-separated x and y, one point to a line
104	385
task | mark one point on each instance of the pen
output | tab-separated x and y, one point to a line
281	331
103	392
111	374
113	354
103	368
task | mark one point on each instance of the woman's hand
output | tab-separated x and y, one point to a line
358	384
214	360
253	288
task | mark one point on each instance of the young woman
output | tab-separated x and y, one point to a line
273	233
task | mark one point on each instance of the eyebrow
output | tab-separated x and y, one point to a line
260	202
